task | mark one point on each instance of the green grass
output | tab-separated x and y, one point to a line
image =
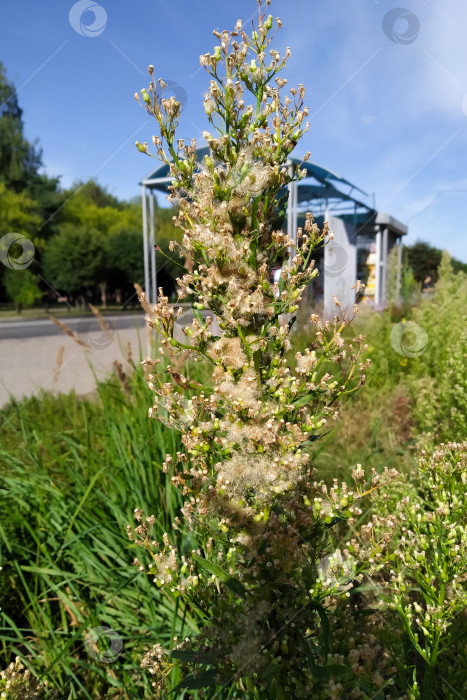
72	471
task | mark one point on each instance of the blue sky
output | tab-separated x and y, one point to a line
387	91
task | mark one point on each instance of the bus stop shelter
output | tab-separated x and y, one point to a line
363	237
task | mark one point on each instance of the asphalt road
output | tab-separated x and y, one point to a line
83	325
36	355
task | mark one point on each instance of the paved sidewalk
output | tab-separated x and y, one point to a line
29	364
30	352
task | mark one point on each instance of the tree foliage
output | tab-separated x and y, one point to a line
425	259
19	160
75	259
22	287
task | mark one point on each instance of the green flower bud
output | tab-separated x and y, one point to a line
145	95
268	23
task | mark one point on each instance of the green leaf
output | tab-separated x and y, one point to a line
46	572
281	283
203	680
326	627
199	316
313	438
302	401
254	209
193	657
325	673
281	211
253	248
257	358
309	655
222	575
271	672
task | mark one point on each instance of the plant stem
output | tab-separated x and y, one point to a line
430	669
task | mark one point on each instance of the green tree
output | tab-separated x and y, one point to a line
18	214
89	204
22	287
19	160
45	193
75	259
425	260
96	193
125	263
28	200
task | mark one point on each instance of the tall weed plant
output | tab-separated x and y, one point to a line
274	562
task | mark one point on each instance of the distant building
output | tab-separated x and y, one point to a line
363	237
